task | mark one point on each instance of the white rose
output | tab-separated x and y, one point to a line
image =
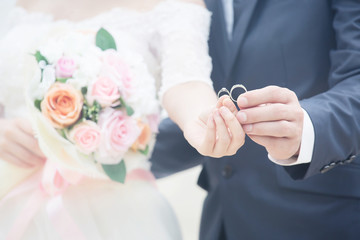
46	82
52	51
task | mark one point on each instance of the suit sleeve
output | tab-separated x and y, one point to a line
172	153
335	114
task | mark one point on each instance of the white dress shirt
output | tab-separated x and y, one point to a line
308	133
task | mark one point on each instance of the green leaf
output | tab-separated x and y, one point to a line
104	40
62	133
116	172
37	104
129	110
40	57
84	90
62	80
97	105
146	151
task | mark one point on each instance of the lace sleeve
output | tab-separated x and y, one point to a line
5	25
5	8
21	33
184	32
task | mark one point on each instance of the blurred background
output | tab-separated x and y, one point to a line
186	198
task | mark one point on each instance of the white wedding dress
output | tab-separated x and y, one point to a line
172	41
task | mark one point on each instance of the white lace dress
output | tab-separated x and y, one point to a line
172	41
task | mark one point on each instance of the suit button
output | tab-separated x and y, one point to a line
227	171
327	167
352	158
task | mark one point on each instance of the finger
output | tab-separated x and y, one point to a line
270	94
263	140
210	137
269	112
222	133
27	141
237	133
205	114
33	144
269	142
8	157
24	155
221	100
272	129
25	126
275	146
230	105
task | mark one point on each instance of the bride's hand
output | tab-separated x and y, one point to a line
18	145
216	133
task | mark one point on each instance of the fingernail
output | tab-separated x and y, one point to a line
223	97
242	117
248	128
242	101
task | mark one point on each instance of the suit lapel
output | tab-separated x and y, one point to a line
239	34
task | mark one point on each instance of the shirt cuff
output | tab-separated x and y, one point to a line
306	148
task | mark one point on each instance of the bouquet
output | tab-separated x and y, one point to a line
93	104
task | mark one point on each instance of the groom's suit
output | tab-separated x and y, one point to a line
313	48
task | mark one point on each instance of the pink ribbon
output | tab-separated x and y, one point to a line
141	175
52	186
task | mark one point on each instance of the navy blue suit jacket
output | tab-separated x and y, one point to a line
313	48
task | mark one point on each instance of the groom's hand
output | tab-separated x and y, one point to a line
272	117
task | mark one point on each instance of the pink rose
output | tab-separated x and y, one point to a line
65	67
86	136
114	66
119	132
105	91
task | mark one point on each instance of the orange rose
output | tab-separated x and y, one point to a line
144	138
62	105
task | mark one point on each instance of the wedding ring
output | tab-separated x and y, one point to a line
233	88
223	90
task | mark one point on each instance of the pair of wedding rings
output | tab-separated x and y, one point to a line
230	94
